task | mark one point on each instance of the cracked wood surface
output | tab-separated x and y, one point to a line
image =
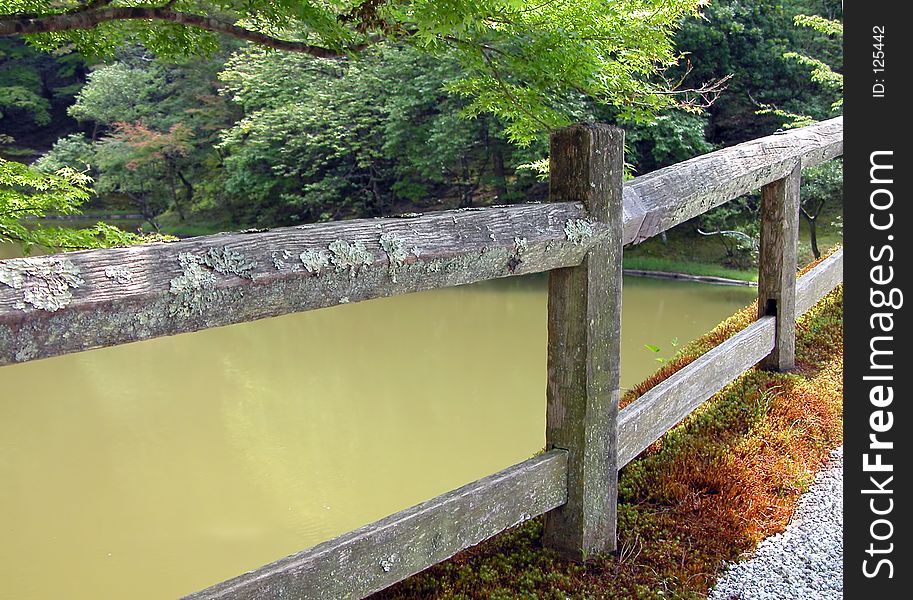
76	301
666	197
584	344
127	294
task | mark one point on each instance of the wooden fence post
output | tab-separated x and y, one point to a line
584	333
777	265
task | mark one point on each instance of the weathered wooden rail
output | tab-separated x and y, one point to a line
67	303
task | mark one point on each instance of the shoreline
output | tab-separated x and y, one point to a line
687	277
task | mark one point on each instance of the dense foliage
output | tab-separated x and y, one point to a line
749	39
35	90
27	193
379	107
520	60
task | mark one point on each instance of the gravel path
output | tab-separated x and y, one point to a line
806	560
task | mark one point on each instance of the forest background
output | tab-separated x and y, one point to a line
241	136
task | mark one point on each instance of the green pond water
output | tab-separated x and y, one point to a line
155	469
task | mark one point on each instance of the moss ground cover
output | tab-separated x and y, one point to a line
721	481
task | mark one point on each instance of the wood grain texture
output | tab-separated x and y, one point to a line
123	295
815	284
584	341
777	265
128	294
646	419
369	559
666	197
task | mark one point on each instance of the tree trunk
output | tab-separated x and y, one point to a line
466	187
143	205
812	220
378	196
813	235
497	166
175	200
188	191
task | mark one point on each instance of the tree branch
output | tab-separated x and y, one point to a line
96	13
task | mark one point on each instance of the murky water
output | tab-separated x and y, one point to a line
155	469
8	250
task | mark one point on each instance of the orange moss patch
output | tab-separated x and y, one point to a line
725	478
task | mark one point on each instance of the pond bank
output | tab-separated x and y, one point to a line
726	478
687	277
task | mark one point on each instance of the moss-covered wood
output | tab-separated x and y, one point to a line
584	343
777	265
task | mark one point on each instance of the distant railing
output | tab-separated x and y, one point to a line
53	305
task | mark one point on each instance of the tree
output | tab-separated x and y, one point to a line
825	181
153	127
148	167
356	137
747	39
523	67
117	93
820	184
735	225
672	137
28	193
35	88
520	59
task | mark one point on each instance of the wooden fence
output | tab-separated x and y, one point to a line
67	303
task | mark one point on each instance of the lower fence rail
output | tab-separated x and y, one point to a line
820	280
646	419
367	560
378	555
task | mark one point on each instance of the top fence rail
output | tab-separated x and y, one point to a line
65	303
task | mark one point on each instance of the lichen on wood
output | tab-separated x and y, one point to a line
395	249
578	231
194	287
27	352
119	273
351	257
45	284
520	246
314	260
228	262
189	288
280	258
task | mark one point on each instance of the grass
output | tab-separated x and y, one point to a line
725	478
651	263
170	223
684	251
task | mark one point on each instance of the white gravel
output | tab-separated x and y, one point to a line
806	560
